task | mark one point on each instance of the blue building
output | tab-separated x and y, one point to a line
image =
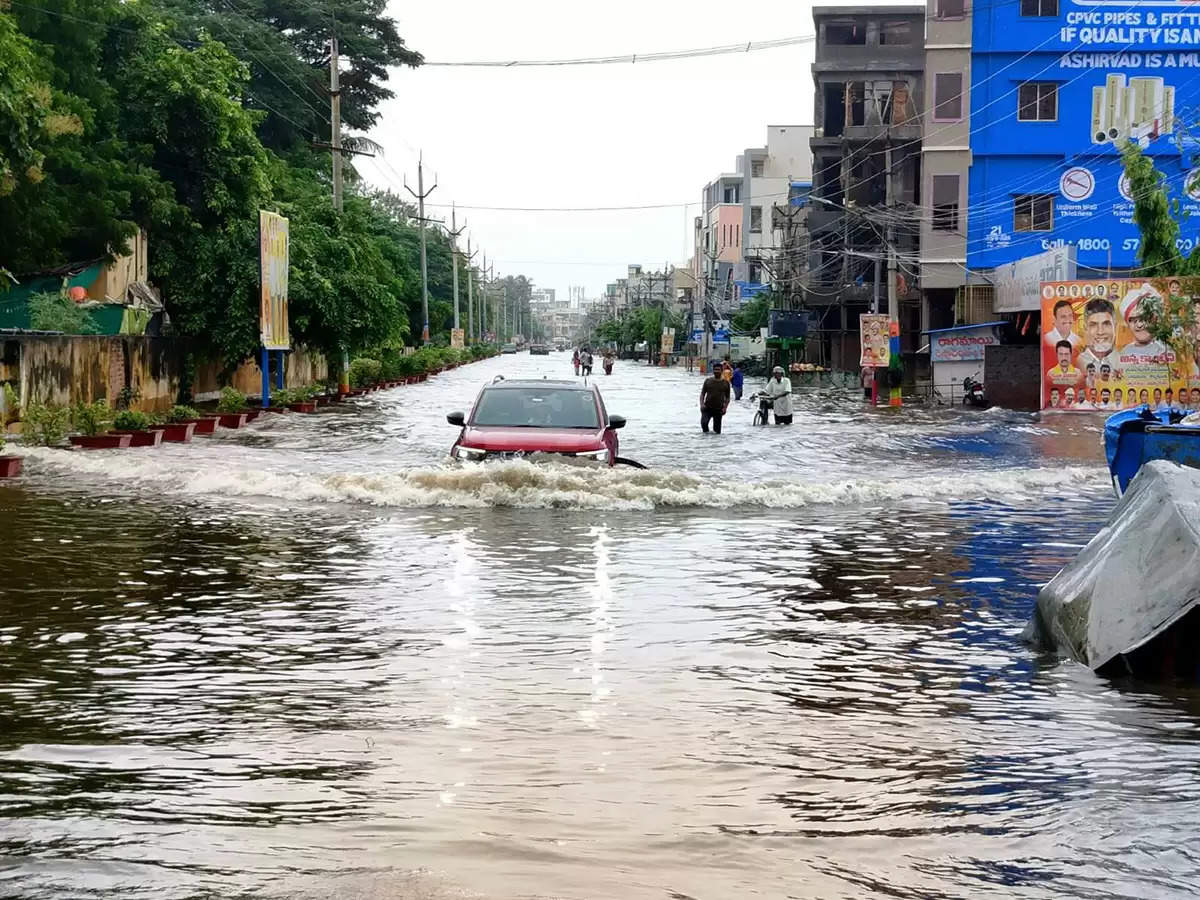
1056	87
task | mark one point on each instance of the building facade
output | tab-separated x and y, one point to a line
1057	87
869	78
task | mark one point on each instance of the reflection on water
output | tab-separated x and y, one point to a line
274	693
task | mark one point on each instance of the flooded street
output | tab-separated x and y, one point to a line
312	659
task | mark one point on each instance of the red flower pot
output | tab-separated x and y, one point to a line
179	432
303	407
275	409
253	413
110	441
233	420
10	466
207	425
151	437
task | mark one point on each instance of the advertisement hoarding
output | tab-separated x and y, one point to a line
457	338
1018	284
964	344
874	340
274	249
1098	355
668	340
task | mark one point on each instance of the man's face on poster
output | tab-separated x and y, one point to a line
1101	332
1140	327
1064	320
1064	358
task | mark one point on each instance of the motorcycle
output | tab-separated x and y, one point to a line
973	392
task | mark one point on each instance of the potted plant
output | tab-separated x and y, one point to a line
10	466
280	400
232	408
45	426
302	401
189	415
181	423
91	420
139	426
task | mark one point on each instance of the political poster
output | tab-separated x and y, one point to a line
668	340
1098	352
458	338
273	260
875	340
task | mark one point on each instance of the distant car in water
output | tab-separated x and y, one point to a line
509	348
539	350
519	418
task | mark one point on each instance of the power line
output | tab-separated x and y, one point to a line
631	58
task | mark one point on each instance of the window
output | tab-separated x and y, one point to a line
1039	8
756	168
950	9
1037	101
536	408
732	194
845	34
945	203
755	276
947	96
895	34
1033	212
756	220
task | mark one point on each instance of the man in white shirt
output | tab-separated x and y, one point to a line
779	389
1064	325
1100	329
1143	344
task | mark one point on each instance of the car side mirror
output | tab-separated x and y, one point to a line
457	418
616	421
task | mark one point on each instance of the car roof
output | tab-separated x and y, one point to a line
557	384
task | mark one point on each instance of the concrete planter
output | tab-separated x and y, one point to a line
303	407
253	413
151	437
206	425
110	441
10	466
179	432
233	420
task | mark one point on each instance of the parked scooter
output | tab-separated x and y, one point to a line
973	392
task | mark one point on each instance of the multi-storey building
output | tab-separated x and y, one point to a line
864	219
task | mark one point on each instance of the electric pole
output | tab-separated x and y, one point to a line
455	231
893	298
504	329
424	261
470	293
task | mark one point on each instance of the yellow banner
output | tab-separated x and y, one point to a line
875	340
273	259
1098	354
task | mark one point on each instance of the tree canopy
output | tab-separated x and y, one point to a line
185	118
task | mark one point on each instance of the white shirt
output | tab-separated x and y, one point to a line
1053	337
1087	356
1154	348
781	392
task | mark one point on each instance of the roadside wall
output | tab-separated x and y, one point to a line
1012	376
63	370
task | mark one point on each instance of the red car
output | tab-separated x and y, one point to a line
520	418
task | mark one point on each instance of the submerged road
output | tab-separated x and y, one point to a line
312	660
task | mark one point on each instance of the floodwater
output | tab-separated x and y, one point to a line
311	660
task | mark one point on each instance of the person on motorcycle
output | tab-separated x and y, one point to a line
779	390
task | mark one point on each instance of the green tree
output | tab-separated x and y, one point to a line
285	44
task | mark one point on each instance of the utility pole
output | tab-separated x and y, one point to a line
470	293
424	263
455	231
504	329
893	297
339	153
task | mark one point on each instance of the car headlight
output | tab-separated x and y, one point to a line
468	453
600	455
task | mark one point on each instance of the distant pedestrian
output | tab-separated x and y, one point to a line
575	361
868	381
714	400
737	381
585	361
779	389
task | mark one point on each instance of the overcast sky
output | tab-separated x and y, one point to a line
609	135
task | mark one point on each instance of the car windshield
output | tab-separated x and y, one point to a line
537	408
